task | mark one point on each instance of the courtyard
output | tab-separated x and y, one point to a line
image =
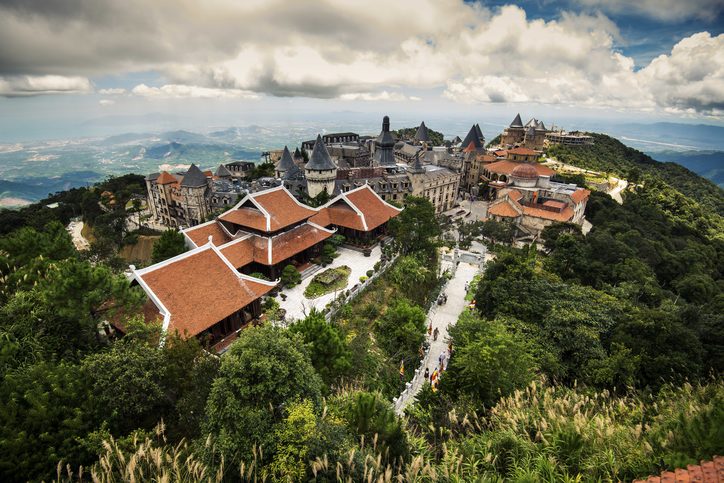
297	306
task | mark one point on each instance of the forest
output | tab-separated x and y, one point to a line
589	358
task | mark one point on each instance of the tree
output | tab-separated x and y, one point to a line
328	253
170	244
416	229
498	231
290	276
401	331
263	372
489	360
328	351
469	232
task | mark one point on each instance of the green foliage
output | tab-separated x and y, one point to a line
169	244
415	278
416	229
266	369
436	137
497	231
610	155
263	170
468	232
290	276
495	141
490	361
401	331
328	351
329	251
327	281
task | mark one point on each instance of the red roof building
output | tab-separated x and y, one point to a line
200	294
707	472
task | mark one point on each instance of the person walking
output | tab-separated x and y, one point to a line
435	334
427	374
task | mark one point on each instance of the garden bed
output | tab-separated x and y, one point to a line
328	281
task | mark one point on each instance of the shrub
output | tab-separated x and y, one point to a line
363	279
290	276
370	273
327	281
259	275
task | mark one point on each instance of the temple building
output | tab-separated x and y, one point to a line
268	230
359	214
200	294
526	196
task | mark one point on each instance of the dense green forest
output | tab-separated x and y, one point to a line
594	357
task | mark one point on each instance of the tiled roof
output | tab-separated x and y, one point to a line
517	122
506	167
200	234
523	151
421	134
199	289
240	252
320	159
564	215
580	195
194	177
374	209
294	241
360	209
166	178
707	472
505	208
515	195
282	209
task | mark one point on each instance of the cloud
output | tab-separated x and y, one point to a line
176	91
664	10
112	91
377	96
30	85
691	78
106	102
374	50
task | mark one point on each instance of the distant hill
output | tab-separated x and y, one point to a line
611	155
709	164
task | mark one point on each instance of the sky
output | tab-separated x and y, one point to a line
71	63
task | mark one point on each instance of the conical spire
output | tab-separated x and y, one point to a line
194	177
472	137
480	132
417	165
422	135
517	122
223	172
286	162
320	160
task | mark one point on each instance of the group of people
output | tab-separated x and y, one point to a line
442	362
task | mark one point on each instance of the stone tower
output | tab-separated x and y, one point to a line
384	144
320	171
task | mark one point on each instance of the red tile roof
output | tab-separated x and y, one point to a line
564	215
256	248
506	167
166	178
580	194
515	195
340	214
200	234
345	210
280	206
505	209
523	151
707	472
199	289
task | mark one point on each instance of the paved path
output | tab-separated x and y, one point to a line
615	193
75	228
441	316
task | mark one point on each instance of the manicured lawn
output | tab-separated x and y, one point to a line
328	281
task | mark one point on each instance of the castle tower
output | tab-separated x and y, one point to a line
285	164
320	171
384	145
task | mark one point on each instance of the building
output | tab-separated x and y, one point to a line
383	146
359	214
437	184
320	171
268	230
522	154
333	138
200	294
525	195
474	165
179	199
187	199
573	138
531	135
240	169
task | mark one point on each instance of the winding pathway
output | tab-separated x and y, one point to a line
441	317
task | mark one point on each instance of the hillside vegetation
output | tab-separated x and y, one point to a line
610	155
